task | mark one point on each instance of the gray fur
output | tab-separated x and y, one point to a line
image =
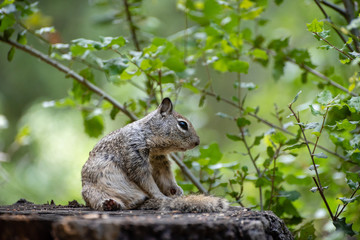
130	166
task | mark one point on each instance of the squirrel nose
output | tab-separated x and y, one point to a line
197	142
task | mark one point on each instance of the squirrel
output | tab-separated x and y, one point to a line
129	168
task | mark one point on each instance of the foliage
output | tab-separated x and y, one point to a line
223	37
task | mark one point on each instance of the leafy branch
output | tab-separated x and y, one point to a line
72	74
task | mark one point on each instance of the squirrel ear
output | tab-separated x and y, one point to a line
165	107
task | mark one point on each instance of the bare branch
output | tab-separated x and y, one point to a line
337	49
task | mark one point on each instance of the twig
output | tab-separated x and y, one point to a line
254	163
337	49
344	206
333	6
322	127
131	25
331	22
273	176
273	125
306	143
322	76
324	199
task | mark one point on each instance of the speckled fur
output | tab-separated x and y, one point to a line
129	168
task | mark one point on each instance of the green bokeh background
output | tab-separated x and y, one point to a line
47	165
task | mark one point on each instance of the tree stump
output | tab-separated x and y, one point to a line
25	220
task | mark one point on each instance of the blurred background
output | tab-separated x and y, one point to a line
42	149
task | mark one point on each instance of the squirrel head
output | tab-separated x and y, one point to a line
171	131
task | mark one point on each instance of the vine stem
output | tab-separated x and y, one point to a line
72	74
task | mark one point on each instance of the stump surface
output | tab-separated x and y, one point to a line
25	220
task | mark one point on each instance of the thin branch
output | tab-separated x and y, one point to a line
334	7
254	163
131	25
342	209
306	143
331	22
337	49
273	125
273	176
324	199
322	127
322	76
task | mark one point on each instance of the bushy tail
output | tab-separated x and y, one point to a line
190	203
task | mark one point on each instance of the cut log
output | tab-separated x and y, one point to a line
25	220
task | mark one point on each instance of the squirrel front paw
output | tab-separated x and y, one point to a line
175	191
111	205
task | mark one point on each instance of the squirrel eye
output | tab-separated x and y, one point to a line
183	125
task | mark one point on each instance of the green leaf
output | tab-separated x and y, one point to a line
6	22
270	152
295	146
349	200
259	54
296	97
242	122
93	123
21	37
115	66
278	44
279	138
114	112
211	152
258	139
44	30
234	137
109	42
341	225
278	2
315	26
8	33
238	66
314	111
10	54
353	179
354	104
175	63
291	195
224	115
325	97
346	125
279	66
320	155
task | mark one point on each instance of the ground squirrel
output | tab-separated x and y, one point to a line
129	168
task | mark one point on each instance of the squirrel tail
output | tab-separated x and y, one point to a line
189	203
